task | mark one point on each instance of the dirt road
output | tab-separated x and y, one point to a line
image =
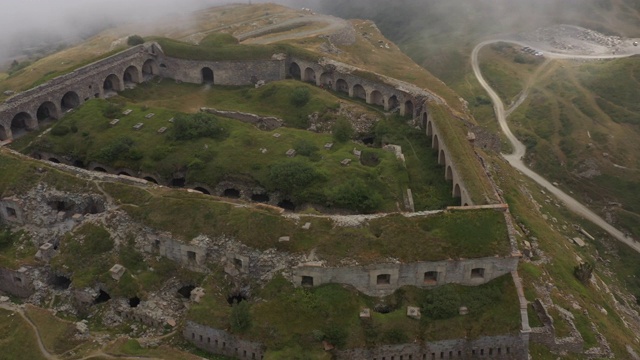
515	158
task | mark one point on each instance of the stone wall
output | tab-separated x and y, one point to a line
16	282
490	347
221	342
384	279
246	72
11	212
266	123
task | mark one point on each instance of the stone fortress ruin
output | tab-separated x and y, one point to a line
52	100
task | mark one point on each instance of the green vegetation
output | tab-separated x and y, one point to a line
18	338
302	317
134	40
218	47
57	335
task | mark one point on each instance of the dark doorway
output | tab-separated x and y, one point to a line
134	301
207	76
102	297
185	291
262	198
60	282
236	298
287	205
150	179
178	182
232	193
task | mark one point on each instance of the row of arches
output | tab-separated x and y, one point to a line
449	175
53	109
358	91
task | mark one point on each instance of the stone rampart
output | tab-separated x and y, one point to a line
511	347
221	342
384	279
247	72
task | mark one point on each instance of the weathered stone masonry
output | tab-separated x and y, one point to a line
51	100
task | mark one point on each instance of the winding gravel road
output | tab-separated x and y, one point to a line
515	158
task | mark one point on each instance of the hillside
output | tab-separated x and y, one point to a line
218	228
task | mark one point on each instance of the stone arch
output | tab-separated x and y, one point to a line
150	179
342	86
408	108
21	123
359	92
69	101
125	173
429	128
392	103
326	79
442	158
376	98
112	83
448	175
47	110
435	143
424	119
149	69
203	190
99	169
294	71
207	75
3	133
457	192
131	75
309	75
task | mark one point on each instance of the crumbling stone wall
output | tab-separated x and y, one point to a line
221	342
16	282
11	211
266	123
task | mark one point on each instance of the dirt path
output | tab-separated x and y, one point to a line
515	158
20	311
333	24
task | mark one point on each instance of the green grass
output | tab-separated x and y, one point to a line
17	339
57	335
222	159
221	47
288	319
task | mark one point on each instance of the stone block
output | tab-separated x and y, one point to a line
345	162
579	242
114	122
328	146
172	120
149	115
357	153
463	310
117	271
414	312
162	130
277	135
291	153
365	313
284	239
138	126
45	252
263	150
77	217
197	294
306	226
127	112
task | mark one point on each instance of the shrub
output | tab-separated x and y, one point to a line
134	40
342	130
112	111
441	303
355	195
7	238
396	336
291	175
240	317
335	335
300	96
305	147
583	272
118	149
194	126
60	130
